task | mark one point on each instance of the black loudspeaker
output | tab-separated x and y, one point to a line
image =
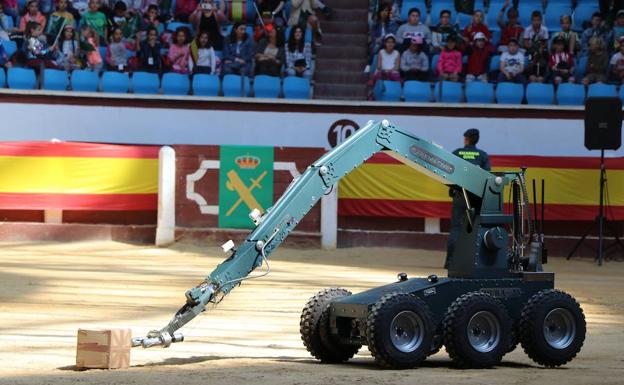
603	123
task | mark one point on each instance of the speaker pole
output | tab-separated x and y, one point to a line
601	208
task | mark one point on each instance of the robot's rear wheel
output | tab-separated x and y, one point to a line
400	331
552	328
314	328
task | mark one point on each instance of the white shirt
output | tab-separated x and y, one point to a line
529	33
512	63
388	60
206	58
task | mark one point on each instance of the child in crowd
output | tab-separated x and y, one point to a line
37	53
537	54
618	29
96	20
91	49
203	55
80	7
450	62
11	8
32	15
238	51
479	59
46	6
536	31
116	51
509	30
388	60
298	54
511	64
5	60
59	19
475	27
206	18
149	52
68	55
597	62
411	28
570	38
597	29
414	62
617	62
442	31
129	21
179	52
561	63
151	19
4	25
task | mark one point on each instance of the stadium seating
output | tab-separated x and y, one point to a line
509	93
55	80
525	9
490	18
235	86
21	78
415	91
145	83
448	92
436	7
479	92
2	79
266	86
387	91
296	88
84	81
172	26
553	15
175	84
539	93
583	12
580	67
434	62
117	82
569	94
10	47
494	63
409	4
205	85
601	89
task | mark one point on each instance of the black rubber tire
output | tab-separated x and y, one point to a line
314	328
378	331
532	328
455	325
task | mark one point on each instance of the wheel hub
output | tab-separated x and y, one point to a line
559	328
407	331
484	331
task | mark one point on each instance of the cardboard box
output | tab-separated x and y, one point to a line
103	349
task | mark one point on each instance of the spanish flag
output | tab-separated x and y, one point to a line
77	176
383	186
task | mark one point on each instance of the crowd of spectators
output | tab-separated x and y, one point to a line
416	50
183	36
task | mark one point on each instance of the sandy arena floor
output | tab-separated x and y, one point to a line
48	291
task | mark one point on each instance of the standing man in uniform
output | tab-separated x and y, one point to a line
478	157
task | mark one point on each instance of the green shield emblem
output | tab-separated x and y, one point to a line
245	183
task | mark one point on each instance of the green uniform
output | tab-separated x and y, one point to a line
477	157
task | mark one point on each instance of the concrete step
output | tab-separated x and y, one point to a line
325	64
349	14
347	4
344	27
342	91
346	39
341	77
340	52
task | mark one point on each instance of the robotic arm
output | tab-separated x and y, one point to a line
303	193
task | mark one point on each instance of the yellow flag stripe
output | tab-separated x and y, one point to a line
74	175
401	182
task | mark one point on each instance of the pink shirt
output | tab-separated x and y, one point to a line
10	3
179	57
39	18
449	62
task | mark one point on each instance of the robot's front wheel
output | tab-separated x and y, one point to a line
552	328
477	330
314	328
400	331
